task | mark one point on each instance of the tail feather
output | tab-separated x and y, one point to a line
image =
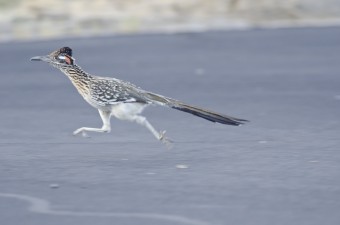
203	113
209	115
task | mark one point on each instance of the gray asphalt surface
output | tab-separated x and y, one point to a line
282	168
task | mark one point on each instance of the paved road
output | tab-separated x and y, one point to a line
282	168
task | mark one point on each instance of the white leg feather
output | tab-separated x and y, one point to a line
130	112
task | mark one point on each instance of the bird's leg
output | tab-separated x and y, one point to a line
105	115
160	136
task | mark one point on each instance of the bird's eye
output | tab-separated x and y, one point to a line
61	57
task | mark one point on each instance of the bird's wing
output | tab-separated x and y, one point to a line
110	91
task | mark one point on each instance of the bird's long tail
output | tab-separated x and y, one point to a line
197	111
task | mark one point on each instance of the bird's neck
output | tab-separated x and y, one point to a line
79	78
75	72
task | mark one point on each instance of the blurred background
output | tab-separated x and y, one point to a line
37	19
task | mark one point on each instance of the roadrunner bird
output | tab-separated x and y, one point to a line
121	99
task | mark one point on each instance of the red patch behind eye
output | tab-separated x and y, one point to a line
68	60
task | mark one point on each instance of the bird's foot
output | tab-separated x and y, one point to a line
168	142
81	132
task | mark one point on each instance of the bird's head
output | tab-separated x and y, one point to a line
59	58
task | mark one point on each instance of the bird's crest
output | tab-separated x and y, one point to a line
63	55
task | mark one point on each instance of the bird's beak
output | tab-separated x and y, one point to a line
41	58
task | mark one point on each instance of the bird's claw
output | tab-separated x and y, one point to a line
168	142
81	132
